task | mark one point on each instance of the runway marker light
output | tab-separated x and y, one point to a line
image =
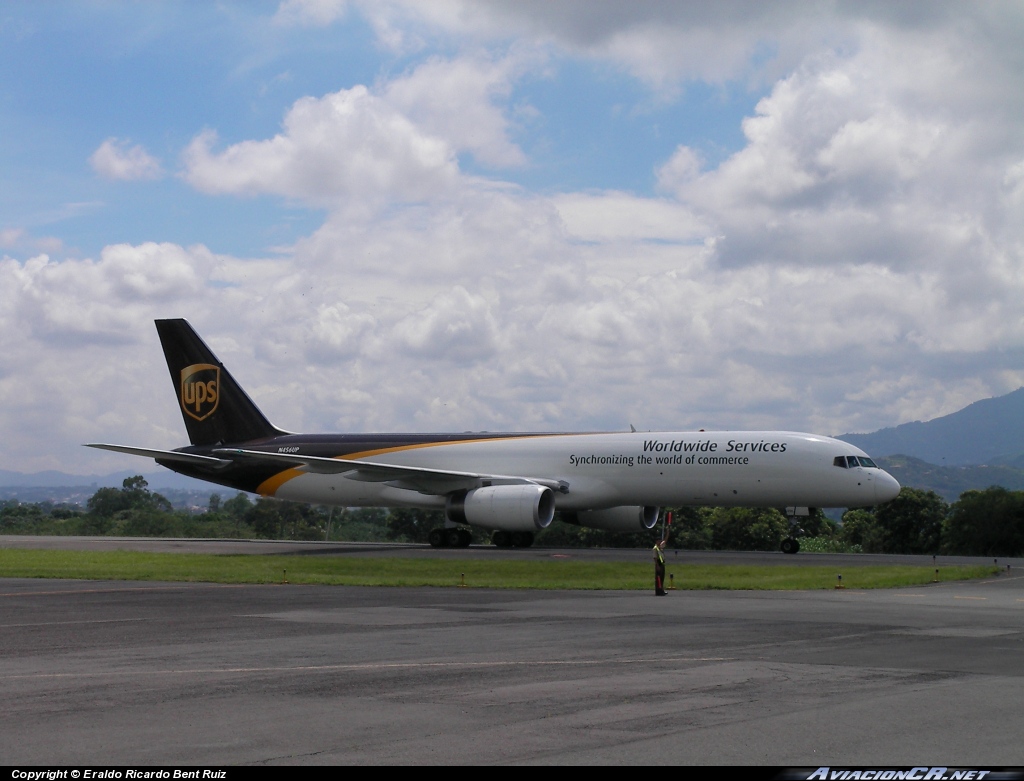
671	582
839	582
284	577
936	575
463	583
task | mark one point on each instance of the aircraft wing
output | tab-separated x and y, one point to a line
414	478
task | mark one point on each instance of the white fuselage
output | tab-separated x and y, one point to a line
722	468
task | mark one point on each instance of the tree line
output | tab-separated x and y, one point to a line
987	522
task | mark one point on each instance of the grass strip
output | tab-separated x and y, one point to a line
478	573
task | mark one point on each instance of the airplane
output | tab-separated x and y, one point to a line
508	483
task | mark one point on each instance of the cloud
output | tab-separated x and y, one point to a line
347	148
310	12
455	100
852	160
618	216
358	148
9	237
115	159
456	327
20	239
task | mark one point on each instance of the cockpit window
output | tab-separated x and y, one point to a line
861	461
849	462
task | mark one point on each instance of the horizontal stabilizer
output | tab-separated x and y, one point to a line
164	455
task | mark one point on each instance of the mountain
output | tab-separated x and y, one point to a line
990	431
51	479
950	481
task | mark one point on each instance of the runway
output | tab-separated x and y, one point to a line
154	674
415	550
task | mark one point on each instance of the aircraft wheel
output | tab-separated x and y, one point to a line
790	545
502	539
453	538
436	538
465	538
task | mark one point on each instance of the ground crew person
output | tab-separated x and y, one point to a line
659	568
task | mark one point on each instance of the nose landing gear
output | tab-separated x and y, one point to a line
793	514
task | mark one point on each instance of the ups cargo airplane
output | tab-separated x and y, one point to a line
511	484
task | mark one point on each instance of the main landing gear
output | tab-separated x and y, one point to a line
461	538
790	545
512	539
449	538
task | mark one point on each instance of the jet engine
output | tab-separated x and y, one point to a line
616	519
510	508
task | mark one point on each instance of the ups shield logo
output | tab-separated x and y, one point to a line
200	390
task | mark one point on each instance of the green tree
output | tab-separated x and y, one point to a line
860	527
133	509
147	522
912	522
986	523
412	524
691	529
279	520
747	528
18	517
237	509
816	525
107	502
133	495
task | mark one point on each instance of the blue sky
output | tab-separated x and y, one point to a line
452	215
157	74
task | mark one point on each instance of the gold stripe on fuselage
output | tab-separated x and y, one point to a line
271	485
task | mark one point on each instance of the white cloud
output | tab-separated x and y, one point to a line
19	239
456	327
357	148
115	159
347	148
849	160
311	12
455	100
618	216
9	237
340	333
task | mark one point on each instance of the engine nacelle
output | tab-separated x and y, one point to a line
510	508
617	519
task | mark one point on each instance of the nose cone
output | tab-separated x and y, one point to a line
886	487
